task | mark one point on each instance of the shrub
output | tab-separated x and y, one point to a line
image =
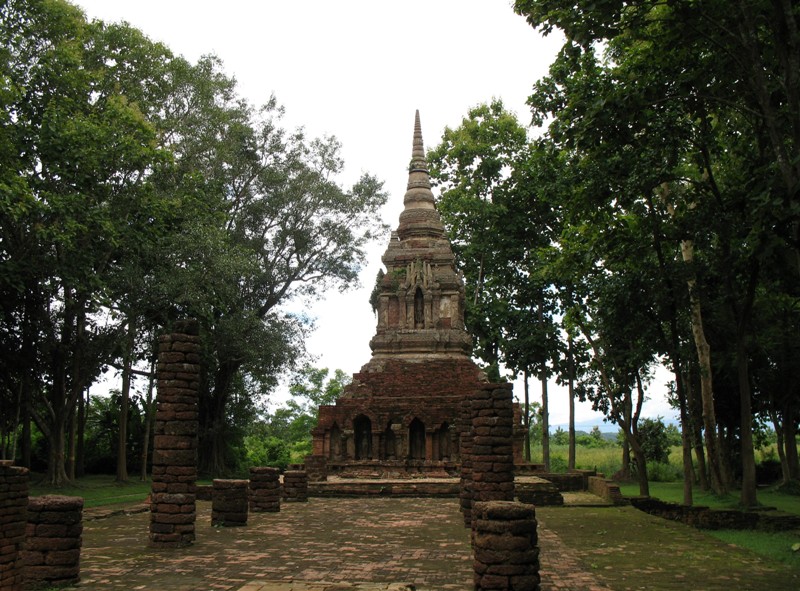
663	472
655	440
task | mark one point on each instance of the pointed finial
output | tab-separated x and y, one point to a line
418	150
419	217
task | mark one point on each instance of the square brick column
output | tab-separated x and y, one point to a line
54	537
487	461
505	545
173	498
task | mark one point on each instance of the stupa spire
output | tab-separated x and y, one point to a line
418	194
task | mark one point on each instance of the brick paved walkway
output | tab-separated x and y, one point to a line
389	541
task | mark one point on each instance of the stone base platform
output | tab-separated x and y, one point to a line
533	490
529	489
322	586
384	487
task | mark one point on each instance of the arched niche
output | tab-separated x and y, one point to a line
362	432
416	440
335	442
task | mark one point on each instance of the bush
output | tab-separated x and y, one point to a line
558	464
655	440
663	472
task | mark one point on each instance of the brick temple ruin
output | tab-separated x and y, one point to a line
400	415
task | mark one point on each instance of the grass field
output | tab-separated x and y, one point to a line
97	490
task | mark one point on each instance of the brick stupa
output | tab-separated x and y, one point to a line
400	414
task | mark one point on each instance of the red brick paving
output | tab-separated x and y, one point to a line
383	540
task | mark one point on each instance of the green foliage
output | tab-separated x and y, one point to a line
284	435
663	472
137	188
560	437
267	451
594	439
655	441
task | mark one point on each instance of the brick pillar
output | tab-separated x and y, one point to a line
13	521
229	502
53	546
173	500
465	491
265	490
492	453
295	486
504	543
316	468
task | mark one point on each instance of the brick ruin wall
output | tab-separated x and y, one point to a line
13	523
391	393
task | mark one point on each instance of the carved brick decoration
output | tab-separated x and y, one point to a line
229	502
400	414
505	546
13	522
54	536
173	498
265	490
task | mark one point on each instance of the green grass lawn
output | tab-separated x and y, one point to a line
97	490
775	545
673	492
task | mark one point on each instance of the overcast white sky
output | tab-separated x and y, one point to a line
358	69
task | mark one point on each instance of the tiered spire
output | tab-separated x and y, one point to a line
419	217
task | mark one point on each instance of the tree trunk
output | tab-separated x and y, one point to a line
790	434
545	401
72	432
56	454
780	441
686	431
748	495
706	386
149	415
215	427
641	466
545	425
124	402
80	455
571	394
527	417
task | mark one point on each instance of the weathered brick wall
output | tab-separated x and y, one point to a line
265	490
229	502
13	522
505	546
706	518
392	393
53	541
605	489
465	494
316	466
173	501
295	486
